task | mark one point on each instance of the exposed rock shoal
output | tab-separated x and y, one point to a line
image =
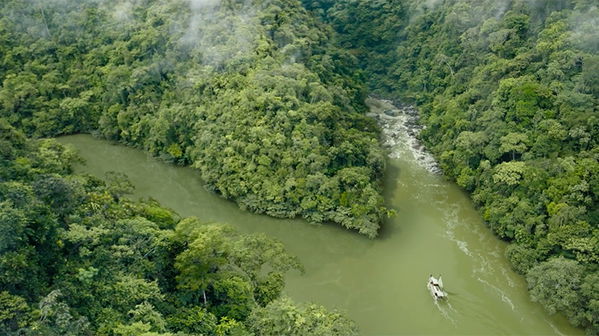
400	125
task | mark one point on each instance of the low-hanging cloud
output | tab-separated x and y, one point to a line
585	34
202	4
220	34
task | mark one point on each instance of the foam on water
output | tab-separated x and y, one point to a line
377	282
557	331
445	308
500	292
400	131
483	263
452	221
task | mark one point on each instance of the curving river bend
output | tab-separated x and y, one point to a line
378	283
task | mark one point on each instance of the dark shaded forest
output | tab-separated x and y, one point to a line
509	95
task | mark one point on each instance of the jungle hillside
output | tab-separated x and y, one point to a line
508	93
252	94
266	100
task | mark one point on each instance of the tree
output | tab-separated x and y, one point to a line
145	320
514	143
282	317
14	313
13	226
590	295
226	272
194	320
509	173
555	284
56	318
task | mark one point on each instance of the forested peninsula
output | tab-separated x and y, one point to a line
266	100
509	96
252	94
77	257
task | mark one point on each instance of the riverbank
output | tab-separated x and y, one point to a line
380	283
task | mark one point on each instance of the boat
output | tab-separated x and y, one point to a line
435	286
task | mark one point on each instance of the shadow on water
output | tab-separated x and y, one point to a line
391	178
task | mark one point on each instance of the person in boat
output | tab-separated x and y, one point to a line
433	281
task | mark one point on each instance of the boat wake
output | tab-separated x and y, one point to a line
445	308
501	293
484	265
452	221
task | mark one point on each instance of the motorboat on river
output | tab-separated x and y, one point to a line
435	286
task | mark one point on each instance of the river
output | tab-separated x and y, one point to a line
381	283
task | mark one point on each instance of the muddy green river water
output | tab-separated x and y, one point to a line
381	283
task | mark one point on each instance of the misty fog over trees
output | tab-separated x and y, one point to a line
265	98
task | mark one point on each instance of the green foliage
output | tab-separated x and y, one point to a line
555	283
195	320
508	93
14	313
56	318
230	271
283	317
77	258
562	285
253	94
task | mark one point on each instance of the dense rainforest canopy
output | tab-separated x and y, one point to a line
509	96
251	93
236	89
78	258
265	99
